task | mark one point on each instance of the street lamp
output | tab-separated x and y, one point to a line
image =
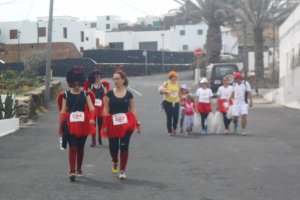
163	51
18	36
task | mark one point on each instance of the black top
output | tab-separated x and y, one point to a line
119	105
99	92
71	99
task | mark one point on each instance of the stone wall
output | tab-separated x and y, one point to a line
32	102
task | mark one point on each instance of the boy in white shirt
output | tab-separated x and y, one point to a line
240	95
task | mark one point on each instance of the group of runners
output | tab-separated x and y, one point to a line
233	102
90	107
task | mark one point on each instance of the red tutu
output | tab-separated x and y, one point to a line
204	107
118	131
81	128
99	111
221	107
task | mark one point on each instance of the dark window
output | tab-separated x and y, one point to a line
93	25
86	39
107	18
185	47
200	32
182	32
42	31
107	26
65	32
13	34
116	45
148	46
82	36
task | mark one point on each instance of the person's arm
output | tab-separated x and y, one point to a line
132	110
249	94
91	109
196	101
105	113
163	89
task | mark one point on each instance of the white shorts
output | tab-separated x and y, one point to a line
239	108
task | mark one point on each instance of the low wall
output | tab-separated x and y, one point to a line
288	97
8	126
30	102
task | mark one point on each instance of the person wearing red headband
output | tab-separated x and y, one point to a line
99	87
77	113
119	122
241	95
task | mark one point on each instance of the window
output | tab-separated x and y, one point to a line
13	34
148	46
42	32
107	26
116	45
65	32
97	42
185	47
107	18
86	39
82	36
93	25
200	32
182	32
81	49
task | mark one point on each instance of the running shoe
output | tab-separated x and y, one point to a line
226	131
72	177
203	131
79	173
244	133
93	145
115	168
174	132
122	175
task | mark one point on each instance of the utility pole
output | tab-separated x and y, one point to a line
163	51
245	50
49	55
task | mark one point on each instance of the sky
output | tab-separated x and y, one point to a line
15	10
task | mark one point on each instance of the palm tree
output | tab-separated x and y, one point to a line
258	14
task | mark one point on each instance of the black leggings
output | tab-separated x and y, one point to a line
76	142
203	119
226	120
172	112
119	143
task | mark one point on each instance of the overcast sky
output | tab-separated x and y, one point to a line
11	10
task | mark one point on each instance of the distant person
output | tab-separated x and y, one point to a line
99	88
204	99
241	95
119	123
223	97
171	91
184	91
189	111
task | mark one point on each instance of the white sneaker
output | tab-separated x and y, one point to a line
244	133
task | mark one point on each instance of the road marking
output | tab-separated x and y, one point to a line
134	91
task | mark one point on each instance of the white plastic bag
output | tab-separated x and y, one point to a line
197	123
229	112
218	123
209	122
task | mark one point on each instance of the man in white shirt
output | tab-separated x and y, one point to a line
241	94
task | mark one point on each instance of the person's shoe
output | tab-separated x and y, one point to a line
226	131
203	131
115	168
72	177
79	173
171	134
100	141
123	175
174	132
244	133
93	145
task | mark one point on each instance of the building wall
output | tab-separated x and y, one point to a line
289	50
111	20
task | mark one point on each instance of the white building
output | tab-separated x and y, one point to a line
289	50
65	29
109	22
178	38
156	22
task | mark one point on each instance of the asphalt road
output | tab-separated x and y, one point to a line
262	166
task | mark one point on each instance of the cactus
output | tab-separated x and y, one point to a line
8	107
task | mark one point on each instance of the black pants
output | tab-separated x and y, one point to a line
226	120
77	142
203	119
172	112
119	143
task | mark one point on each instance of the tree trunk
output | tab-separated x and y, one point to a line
213	41
259	55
